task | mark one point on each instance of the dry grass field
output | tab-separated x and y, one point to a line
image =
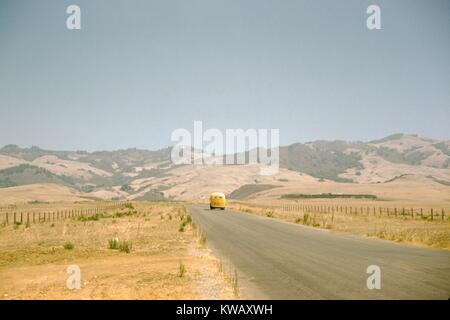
39	192
418	230
143	251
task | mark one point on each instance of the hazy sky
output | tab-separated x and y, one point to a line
137	70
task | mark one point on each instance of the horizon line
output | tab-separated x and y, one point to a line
170	146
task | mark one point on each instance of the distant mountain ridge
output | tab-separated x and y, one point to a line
150	174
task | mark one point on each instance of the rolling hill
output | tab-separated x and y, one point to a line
313	166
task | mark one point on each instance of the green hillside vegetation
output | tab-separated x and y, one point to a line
27	174
126	188
443	182
443	148
391	137
322	159
412	157
397	178
247	190
30	154
152	195
327	196
126	159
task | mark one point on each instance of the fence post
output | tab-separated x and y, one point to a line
15	218
7	217
28	218
442	212
431	214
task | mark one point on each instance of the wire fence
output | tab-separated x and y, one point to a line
34	216
432	214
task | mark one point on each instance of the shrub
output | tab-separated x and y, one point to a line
129	206
113	243
202	238
126	188
181	269
69	246
235	284
185	221
120	214
124	246
94	217
306	218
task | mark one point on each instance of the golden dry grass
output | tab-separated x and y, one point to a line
38	192
33	259
417	231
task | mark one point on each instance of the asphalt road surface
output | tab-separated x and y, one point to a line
280	260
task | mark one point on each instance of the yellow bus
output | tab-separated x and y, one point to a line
217	200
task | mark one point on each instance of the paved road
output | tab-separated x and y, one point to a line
279	260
